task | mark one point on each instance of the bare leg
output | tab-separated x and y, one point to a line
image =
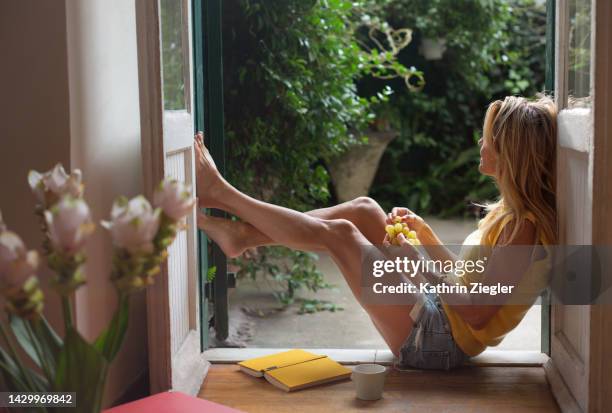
235	237
339	237
363	212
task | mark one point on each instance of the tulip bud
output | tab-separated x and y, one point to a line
18	282
174	198
52	185
27	301
35	179
16	263
69	224
133	224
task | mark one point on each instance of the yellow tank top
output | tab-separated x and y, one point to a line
473	341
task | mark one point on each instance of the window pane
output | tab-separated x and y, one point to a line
172	54
579	59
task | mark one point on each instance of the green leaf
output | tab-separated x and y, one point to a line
110	340
48	335
210	274
10	373
81	369
14	379
20	330
46	342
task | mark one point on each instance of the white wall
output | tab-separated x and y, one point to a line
105	144
69	93
34	118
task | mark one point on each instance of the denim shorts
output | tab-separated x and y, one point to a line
431	345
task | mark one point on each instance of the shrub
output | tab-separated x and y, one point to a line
292	103
495	48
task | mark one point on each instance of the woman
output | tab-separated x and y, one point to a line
517	150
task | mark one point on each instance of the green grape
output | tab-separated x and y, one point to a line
390	230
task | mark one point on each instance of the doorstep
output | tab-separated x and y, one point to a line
481	389
358	356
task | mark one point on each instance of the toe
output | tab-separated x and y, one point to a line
198	150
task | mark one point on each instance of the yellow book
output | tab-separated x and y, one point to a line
295	369
307	374
256	367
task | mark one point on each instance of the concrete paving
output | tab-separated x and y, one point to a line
257	321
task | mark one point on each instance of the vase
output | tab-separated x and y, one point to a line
353	171
432	49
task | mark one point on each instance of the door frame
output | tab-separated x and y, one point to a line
199	99
152	148
166	371
598	365
601	314
549	88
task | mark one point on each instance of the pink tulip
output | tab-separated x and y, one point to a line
69	223
50	186
133	224
174	198
16	263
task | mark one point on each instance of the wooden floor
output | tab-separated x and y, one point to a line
470	389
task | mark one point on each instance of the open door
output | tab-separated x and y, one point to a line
208	56
570	323
578	369
164	30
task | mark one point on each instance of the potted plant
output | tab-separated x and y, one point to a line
140	234
353	171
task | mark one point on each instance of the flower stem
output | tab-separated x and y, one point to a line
39	352
67	310
123	299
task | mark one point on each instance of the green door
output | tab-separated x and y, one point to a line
549	87
209	118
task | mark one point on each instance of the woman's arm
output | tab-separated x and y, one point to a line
430	240
506	265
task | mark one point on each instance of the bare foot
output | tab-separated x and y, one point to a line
232	236
209	182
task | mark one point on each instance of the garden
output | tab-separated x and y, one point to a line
327	100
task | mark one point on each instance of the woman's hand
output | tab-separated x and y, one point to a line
407	249
415	222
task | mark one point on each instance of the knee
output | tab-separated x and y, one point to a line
341	226
366	204
339	229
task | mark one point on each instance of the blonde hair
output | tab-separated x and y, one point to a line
523	134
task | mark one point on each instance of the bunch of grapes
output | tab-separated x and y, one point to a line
401	228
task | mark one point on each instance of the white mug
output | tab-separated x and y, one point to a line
369	381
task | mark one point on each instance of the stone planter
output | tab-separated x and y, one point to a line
432	49
352	172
